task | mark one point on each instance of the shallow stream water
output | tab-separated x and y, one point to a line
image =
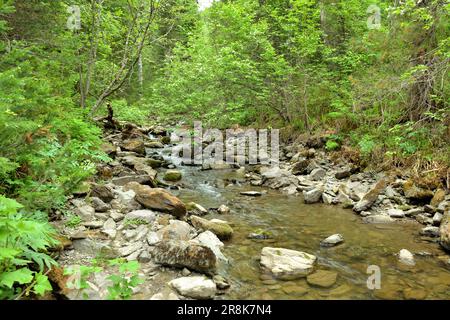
298	226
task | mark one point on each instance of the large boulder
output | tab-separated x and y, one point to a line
221	229
416	193
157	199
134	145
286	264
370	197
445	230
178	253
198	287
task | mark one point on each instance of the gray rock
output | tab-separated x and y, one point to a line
317	174
370	197
94	248
413	212
116	216
99	205
142	179
183	254
153	238
437	218
223	209
127	250
146	215
85	212
176	230
327	198
377	218
332	240
95	224
109	228
312	196
211	241
396	213
430	231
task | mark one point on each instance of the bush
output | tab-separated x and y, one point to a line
23	257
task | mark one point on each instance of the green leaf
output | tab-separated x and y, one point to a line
42	284
22	276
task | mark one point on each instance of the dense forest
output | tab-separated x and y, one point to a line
369	76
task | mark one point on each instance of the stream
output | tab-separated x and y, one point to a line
298	226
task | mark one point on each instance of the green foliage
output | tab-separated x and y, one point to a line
73	221
23	242
124	282
134	222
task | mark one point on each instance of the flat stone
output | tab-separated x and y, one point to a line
197	287
95	224
322	278
251	193
414	294
332	240
127	250
378	219
183	254
146	215
286	264
396	213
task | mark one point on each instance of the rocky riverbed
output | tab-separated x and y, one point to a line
307	229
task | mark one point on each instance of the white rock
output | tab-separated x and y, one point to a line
223	209
146	215
153	238
406	257
287	264
126	251
162	296
327	199
211	241
312	196
378	218
317	174
332	240
197	287
437	218
125	197
109	228
116	216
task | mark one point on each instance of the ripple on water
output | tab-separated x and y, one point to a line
297	226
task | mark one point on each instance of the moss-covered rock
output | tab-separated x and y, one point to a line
172	175
222	230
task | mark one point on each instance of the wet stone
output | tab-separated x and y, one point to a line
322	278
